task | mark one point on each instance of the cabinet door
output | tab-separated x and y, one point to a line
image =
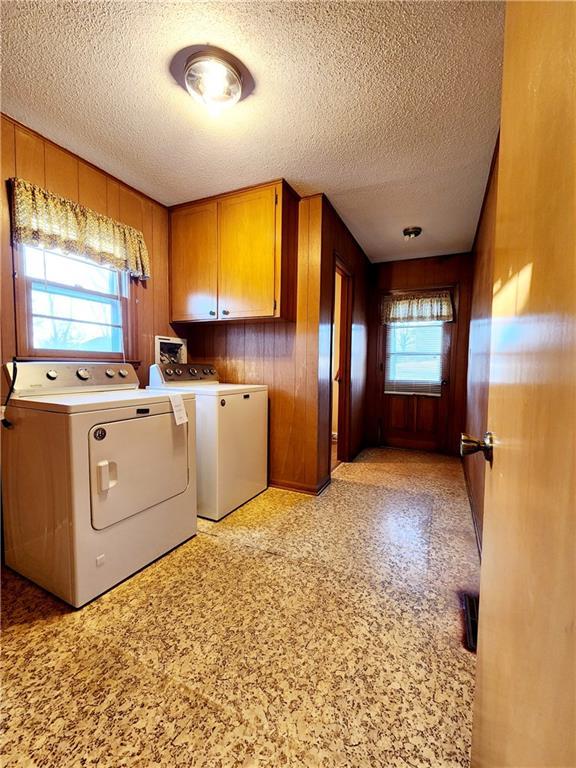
194	262
246	268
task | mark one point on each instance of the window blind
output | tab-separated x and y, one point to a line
414	358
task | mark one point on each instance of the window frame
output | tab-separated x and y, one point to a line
444	363
24	326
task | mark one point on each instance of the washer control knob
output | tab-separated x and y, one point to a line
83	374
169	372
178	372
192	371
52	374
110	372
212	371
123	372
206	371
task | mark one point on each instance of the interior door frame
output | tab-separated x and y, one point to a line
344	450
452	333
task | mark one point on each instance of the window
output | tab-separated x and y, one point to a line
414	358
73	307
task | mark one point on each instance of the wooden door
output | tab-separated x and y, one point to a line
419	421
526	676
194	262
246	268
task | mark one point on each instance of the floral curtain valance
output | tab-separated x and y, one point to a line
44	220
420	306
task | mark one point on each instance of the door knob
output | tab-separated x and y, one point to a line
469	445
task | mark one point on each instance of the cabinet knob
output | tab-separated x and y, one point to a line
212	312
225	312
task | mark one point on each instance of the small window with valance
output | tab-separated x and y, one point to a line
73	275
415	341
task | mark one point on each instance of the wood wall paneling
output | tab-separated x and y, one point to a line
339	245
113	199
92	189
479	347
145	295
30	156
293	357
160	271
61	172
7	312
415	274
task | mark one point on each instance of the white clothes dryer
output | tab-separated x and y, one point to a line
231	435
98	478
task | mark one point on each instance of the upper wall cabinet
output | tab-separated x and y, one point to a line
233	257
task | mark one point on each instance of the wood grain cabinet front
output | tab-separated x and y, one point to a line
233	257
194	262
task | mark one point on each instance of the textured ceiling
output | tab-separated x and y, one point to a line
390	108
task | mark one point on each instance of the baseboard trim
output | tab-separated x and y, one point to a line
309	490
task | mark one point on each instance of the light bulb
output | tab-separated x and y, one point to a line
213	82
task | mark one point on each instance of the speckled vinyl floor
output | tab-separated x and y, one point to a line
296	632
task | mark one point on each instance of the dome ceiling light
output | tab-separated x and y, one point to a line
213	80
411	232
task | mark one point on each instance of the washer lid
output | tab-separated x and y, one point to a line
213	388
96	401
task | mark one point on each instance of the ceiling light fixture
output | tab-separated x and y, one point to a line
213	81
411	232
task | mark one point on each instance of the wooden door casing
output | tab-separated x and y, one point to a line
247	254
194	262
525	703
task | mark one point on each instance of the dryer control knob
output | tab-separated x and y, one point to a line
123	372
192	371
83	374
206	371
169	371
178	372
52	374
110	372
212	371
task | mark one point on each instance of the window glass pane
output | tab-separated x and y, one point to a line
70	335
74	305
34	262
70	270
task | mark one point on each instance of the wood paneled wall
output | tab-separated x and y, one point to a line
479	346
28	155
414	274
293	358
338	243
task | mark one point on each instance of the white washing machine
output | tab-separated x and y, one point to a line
231	435
99	479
